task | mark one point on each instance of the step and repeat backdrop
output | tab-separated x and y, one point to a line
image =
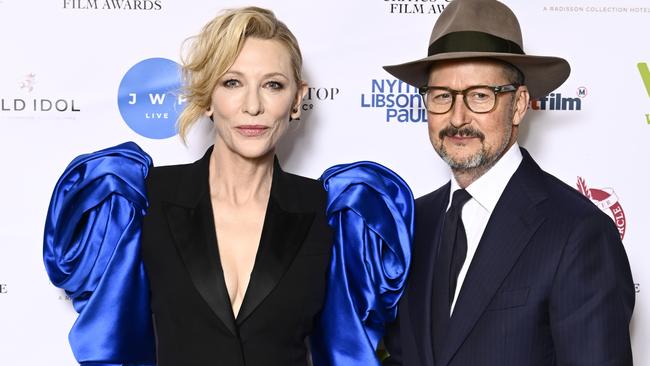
71	82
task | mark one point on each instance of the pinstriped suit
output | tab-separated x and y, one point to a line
550	284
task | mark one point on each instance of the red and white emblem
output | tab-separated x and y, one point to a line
607	201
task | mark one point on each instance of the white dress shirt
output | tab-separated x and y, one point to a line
485	191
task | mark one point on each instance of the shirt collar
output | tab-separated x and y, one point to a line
487	189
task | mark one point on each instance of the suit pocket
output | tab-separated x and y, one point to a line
509	299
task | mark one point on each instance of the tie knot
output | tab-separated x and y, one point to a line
459	198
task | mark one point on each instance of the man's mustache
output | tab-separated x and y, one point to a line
451	131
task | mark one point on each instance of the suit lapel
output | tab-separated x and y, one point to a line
282	236
509	229
196	243
191	222
428	226
286	225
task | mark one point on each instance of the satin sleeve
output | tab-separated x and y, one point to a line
370	209
91	250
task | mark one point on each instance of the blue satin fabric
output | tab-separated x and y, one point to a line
92	251
370	209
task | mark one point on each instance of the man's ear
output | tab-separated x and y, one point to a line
522	99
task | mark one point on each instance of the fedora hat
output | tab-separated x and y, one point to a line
469	29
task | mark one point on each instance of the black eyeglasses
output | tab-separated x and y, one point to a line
477	98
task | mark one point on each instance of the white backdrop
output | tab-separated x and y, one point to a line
70	56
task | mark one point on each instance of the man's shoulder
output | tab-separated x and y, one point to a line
561	201
566	198
437	197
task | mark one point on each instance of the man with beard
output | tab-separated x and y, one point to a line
510	265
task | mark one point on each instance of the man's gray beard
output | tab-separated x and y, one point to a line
481	160
471	162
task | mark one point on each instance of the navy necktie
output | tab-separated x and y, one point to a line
455	236
451	256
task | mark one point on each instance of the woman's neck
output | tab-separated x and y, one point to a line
238	180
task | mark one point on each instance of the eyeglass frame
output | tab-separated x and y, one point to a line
500	89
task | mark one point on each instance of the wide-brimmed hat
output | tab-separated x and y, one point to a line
483	29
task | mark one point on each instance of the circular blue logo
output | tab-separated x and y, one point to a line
149	97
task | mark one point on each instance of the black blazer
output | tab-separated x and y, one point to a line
549	284
194	322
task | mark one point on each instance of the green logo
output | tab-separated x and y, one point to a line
645	75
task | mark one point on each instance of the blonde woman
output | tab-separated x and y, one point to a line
238	264
236	249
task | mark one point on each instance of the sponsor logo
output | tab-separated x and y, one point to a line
401	102
645	76
558	102
607	201
112	4
317	95
416	6
597	9
149	97
3	288
31	104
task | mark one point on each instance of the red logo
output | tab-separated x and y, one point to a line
607	200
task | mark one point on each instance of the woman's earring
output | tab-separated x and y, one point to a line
295	110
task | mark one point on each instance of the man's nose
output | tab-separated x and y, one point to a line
459	111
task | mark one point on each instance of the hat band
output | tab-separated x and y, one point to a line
472	41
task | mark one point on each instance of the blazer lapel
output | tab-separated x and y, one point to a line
197	244
286	225
191	222
507	233
420	286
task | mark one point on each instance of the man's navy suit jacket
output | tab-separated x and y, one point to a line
549	284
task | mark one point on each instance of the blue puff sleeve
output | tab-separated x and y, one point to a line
370	209
91	250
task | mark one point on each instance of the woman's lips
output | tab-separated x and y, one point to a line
252	130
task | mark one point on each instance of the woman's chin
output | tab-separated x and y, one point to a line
254	152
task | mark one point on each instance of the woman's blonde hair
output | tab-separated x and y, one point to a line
212	52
